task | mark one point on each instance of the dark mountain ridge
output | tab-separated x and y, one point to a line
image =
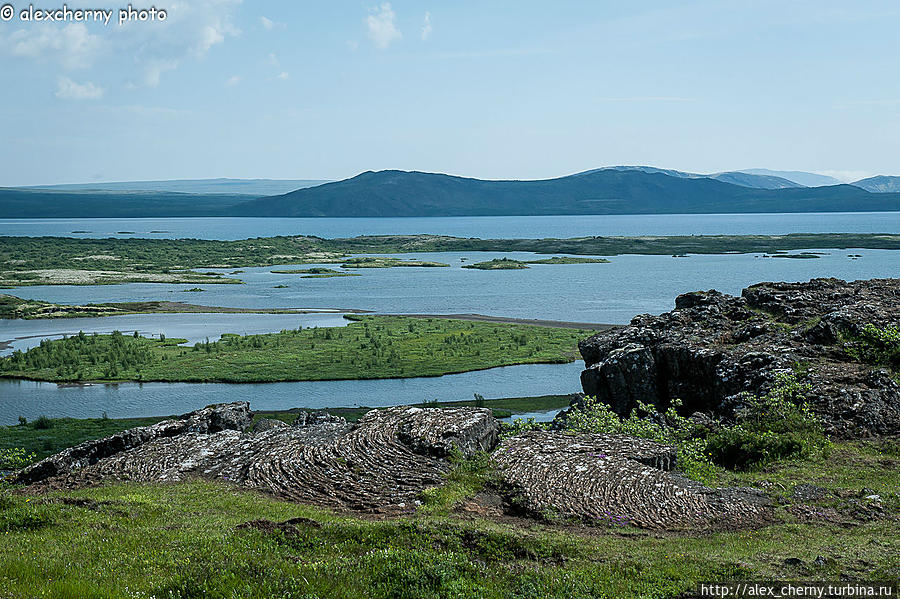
394	193
605	191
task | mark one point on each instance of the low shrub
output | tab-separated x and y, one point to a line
776	426
670	427
876	345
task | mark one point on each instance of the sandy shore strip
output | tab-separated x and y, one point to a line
557	324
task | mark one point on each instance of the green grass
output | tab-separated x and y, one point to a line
510	264
848	467
370	347
181	540
569	260
46	437
498	264
384	262
15	307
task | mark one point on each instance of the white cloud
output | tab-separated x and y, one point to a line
426	27
353	45
268	24
382	29
284	75
69	90
273	60
232	81
191	30
72	45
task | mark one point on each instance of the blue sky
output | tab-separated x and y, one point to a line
290	89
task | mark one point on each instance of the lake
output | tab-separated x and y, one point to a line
600	293
499	227
31	399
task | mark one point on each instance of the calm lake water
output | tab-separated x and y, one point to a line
30	399
498	227
610	293
604	293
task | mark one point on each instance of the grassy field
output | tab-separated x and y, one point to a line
370	347
186	540
62	260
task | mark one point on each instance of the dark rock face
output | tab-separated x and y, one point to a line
617	480
714	346
380	464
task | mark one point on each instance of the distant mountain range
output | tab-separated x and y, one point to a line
621	190
255	187
880	184
609	190
742	178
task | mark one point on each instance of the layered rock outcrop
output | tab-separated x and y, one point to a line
617	480
380	464
713	347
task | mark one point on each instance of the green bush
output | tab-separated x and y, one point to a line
773	427
776	426
691	453
876	346
42	423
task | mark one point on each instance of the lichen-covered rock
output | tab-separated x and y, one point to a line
211	419
267	424
616	480
380	464
714	346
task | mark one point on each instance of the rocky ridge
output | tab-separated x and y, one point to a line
713	347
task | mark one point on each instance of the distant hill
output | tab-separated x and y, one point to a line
604	191
880	184
756	181
256	187
734	177
40	203
800	177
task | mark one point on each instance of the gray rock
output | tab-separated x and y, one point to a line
714	347
211	419
267	424
616	480
381	464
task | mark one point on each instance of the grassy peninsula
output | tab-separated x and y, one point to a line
314	273
370	347
64	260
16	307
510	264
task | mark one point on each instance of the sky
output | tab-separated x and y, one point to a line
491	89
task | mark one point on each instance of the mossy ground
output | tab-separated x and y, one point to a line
183	540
